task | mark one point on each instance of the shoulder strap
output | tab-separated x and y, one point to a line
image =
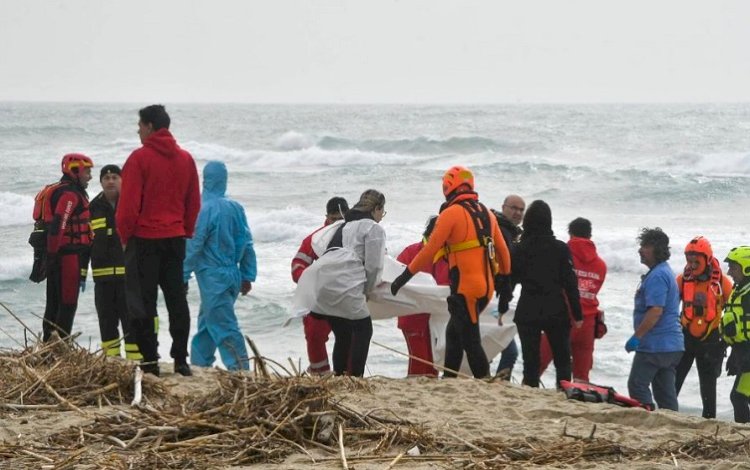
337	241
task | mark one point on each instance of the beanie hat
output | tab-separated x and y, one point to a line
107	169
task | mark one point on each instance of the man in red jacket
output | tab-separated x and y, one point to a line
591	271
317	330
158	207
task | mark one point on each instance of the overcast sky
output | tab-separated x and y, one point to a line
430	51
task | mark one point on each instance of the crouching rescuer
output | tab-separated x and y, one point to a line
470	238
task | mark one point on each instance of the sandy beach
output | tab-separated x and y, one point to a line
197	422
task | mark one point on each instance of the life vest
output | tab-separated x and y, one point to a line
701	309
482	225
44	207
591	393
735	322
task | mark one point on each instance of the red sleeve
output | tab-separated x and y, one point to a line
304	258
129	204
441	232
193	200
64	208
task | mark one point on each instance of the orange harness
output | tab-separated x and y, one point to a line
700	310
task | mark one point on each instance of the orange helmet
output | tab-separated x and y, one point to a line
700	245
72	162
455	177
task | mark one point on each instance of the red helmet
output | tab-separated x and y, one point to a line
700	245
455	177
72	162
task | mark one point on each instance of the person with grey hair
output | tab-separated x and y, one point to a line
346	274
657	341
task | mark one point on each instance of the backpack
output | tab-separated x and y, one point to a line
43	215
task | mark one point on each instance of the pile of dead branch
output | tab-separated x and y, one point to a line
244	420
60	374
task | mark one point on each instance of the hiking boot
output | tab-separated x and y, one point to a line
152	369
183	369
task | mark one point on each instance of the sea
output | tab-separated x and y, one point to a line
682	167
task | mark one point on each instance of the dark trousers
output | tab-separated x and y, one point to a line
150	264
739	398
63	280
111	309
708	356
352	344
463	335
557	331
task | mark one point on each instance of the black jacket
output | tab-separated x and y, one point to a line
107	259
544	268
511	232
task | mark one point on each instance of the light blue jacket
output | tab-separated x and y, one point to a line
222	244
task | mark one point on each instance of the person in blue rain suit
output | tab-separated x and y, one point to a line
222	256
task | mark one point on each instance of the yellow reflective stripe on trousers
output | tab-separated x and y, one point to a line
111	347
743	386
132	352
108	271
96	224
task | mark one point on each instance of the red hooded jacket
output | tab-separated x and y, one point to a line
591	271
160	195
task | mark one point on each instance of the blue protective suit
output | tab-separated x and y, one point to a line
222	256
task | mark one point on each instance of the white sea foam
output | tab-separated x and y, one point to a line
15	209
293	140
15	267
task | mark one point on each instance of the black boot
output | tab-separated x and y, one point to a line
183	369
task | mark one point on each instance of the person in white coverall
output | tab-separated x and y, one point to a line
222	256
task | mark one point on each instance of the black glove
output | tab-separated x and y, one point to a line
399	282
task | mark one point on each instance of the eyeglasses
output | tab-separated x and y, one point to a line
515	208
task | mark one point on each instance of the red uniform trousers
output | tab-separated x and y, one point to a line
416	329
317	331
581	349
63	282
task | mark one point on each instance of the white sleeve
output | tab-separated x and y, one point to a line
374	256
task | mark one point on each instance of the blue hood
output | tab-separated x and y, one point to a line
214	180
